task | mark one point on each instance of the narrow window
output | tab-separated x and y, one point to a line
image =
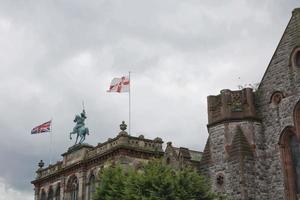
295	155
57	193
91	187
74	189
43	195
50	194
290	154
297	59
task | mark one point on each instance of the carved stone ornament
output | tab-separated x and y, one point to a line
123	126
236	101
41	164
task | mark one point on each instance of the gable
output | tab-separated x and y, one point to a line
281	74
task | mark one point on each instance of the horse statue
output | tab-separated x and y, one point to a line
80	128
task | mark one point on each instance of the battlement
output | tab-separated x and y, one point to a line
231	106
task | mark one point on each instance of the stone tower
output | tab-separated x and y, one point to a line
253	149
229	155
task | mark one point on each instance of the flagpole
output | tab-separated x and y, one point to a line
83	105
51	127
129	95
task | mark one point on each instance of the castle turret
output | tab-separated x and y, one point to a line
231	106
231	146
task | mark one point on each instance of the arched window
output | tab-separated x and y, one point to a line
50	194
43	195
57	192
297	58
290	153
295	155
72	188
276	98
297	118
91	187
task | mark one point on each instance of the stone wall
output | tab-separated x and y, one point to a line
237	171
181	157
277	114
274	103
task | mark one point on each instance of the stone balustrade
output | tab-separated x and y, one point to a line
80	153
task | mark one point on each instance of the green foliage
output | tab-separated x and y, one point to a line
112	184
155	181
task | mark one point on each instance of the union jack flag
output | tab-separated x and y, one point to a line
45	127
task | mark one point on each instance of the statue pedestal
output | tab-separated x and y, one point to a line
78	147
76	153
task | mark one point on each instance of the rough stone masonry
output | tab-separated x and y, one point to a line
253	147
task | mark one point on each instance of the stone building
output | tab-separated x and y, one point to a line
75	177
181	157
252	151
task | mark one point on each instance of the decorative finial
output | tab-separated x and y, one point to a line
41	164
123	126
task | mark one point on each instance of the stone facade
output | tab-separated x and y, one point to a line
75	177
253	147
181	157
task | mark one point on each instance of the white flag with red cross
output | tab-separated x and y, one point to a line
120	85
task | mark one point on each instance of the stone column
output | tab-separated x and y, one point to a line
36	193
62	188
81	179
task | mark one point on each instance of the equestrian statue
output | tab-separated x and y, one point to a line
80	128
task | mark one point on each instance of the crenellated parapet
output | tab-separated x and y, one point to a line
229	155
231	106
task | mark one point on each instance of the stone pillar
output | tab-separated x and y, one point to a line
36	193
81	182
62	188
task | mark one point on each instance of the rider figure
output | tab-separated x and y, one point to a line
79	119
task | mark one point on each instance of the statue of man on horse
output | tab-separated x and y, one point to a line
80	128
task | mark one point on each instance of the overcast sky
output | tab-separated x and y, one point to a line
54	54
